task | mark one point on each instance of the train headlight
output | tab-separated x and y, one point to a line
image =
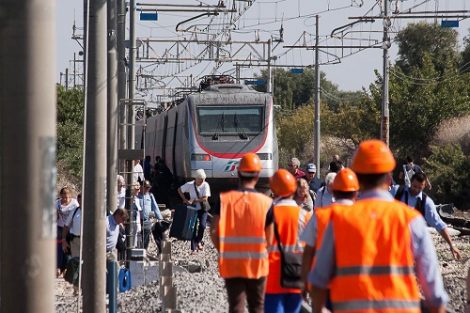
265	156
200	157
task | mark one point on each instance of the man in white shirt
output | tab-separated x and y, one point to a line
137	172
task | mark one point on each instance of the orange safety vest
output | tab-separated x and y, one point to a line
323	218
374	260
243	248
290	220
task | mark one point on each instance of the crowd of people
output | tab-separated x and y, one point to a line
353	242
364	247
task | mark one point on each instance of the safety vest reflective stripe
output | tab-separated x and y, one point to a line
374	270
287	248
243	255
374	305
242	240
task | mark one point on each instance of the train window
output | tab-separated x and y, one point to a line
223	120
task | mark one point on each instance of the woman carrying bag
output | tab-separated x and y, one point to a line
199	192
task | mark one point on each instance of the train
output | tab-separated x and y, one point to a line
212	129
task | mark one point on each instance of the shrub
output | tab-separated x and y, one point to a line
449	172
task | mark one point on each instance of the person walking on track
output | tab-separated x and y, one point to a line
240	234
415	197
199	191
283	294
372	253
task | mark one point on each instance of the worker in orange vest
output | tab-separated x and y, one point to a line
283	294
372	254
345	188
240	233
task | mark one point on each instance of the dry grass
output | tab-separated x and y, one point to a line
65	179
454	131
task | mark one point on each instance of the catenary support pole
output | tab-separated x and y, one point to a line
66	79
28	153
112	131
131	115
121	57
74	70
385	121
94	189
317	98
270	71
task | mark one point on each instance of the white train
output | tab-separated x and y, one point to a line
212	129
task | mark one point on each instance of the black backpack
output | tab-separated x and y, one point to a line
72	271
420	203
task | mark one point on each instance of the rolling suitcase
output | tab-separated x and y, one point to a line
184	222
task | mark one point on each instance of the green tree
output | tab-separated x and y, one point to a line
70	117
449	170
426	88
419	39
294	90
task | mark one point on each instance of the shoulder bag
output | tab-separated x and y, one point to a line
204	204
291	265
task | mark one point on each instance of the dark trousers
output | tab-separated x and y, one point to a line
158	232
242	290
62	257
146	230
199	230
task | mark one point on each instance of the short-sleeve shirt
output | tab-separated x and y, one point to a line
137	173
74	221
204	191
65	211
112	233
121	198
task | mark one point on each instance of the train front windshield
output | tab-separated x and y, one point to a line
233	120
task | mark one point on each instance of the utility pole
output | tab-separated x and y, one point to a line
131	119
317	98
269	87
94	189
112	131
385	121
66	79
28	150
121	56
74	70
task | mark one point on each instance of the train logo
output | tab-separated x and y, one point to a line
231	166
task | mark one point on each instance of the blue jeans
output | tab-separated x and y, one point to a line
199	230
282	302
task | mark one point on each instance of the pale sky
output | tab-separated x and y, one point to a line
353	73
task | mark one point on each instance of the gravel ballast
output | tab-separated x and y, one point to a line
204	291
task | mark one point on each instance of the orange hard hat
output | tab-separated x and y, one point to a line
250	163
373	157
283	183
345	180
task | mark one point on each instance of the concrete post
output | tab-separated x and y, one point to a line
28	153
94	188
169	297
112	131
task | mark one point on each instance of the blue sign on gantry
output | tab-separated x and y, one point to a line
144	16
449	24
